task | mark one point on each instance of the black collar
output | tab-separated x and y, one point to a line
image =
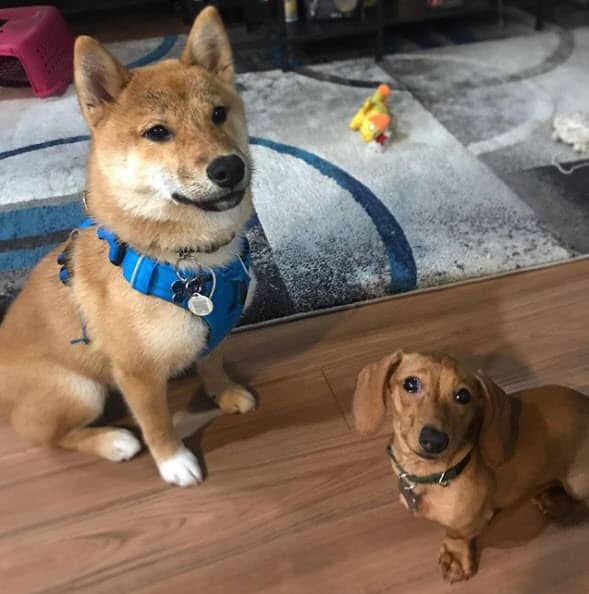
186	253
442	478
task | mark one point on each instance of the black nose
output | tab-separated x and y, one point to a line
432	440
226	172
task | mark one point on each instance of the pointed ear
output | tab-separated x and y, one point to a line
99	78
500	423
208	45
372	389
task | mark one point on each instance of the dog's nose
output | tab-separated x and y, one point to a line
432	440
227	171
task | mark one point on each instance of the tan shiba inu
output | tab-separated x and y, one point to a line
169	176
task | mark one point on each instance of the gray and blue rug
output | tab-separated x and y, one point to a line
466	190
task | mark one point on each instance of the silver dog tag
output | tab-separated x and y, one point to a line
407	489
200	305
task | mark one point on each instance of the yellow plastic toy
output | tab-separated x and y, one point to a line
373	119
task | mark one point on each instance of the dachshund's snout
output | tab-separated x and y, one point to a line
432	440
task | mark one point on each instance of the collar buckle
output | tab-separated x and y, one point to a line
407	483
443	482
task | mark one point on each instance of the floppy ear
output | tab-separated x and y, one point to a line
208	45
499	429
368	405
99	78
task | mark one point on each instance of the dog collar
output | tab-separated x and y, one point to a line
216	295
442	478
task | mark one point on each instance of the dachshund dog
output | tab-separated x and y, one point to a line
463	449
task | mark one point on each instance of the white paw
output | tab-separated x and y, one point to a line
181	469
123	446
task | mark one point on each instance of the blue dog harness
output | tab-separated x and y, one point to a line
215	295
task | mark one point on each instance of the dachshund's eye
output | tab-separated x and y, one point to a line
462	396
412	385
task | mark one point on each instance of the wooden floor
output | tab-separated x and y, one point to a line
295	501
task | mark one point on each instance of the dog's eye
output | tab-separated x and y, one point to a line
158	133
412	385
219	114
462	396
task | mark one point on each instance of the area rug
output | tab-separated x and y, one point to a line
461	193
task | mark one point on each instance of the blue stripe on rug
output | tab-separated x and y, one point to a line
400	256
156	54
21	150
39	220
19	259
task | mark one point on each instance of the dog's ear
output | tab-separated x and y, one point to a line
372	389
208	45
99	78
499	427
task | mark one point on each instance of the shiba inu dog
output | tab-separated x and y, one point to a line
148	284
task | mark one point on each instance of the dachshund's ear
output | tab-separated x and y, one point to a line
372	388
499	428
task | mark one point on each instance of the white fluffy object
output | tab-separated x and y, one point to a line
573	128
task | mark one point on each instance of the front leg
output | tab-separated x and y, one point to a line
229	396
146	395
458	557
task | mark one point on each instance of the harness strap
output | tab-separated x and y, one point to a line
216	295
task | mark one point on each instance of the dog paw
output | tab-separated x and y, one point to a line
181	469
456	565
123	446
236	400
555	504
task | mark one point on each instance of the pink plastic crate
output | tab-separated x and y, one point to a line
38	37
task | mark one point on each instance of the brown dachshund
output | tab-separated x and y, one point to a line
463	449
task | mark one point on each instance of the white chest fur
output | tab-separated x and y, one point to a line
175	337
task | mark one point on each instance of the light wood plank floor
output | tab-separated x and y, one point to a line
295	501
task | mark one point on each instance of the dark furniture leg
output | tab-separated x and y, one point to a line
282	27
539	15
379	51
